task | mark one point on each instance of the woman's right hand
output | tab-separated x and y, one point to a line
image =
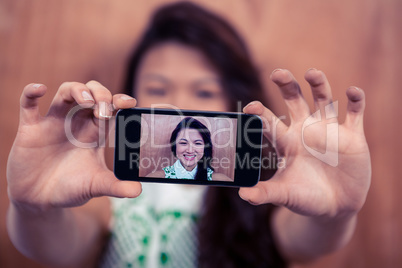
45	169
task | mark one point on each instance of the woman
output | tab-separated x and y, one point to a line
191	144
188	58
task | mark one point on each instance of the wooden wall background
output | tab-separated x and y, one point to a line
155	142
354	42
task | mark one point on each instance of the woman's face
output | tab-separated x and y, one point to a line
177	76
189	147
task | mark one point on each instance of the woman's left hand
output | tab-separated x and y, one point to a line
325	168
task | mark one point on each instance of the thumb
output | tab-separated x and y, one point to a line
29	109
106	184
271	191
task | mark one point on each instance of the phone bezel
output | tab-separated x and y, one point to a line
245	177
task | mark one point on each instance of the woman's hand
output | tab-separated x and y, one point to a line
325	169
48	166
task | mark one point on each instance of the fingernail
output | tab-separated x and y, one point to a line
125	97
276	70
104	110
250	104
87	97
37	85
312	69
358	89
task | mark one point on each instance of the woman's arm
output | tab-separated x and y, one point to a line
56	164
304	238
72	237
326	171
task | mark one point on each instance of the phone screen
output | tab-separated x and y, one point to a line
181	146
191	147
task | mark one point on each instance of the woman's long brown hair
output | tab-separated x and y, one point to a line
231	232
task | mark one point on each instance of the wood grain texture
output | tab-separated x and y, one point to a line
354	42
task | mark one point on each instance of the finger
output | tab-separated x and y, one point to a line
272	125
355	109
29	110
271	191
321	92
68	95
290	90
103	100
123	101
109	185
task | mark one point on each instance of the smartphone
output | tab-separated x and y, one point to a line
189	147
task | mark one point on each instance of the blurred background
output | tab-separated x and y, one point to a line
353	42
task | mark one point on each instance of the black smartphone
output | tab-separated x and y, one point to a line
190	147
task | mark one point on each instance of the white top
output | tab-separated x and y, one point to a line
177	171
183	173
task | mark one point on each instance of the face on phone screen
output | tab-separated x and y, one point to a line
195	148
189	147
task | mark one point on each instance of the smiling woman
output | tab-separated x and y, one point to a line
189	148
191	144
199	148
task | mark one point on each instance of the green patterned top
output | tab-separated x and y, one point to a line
157	229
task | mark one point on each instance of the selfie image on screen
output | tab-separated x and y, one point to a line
193	147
